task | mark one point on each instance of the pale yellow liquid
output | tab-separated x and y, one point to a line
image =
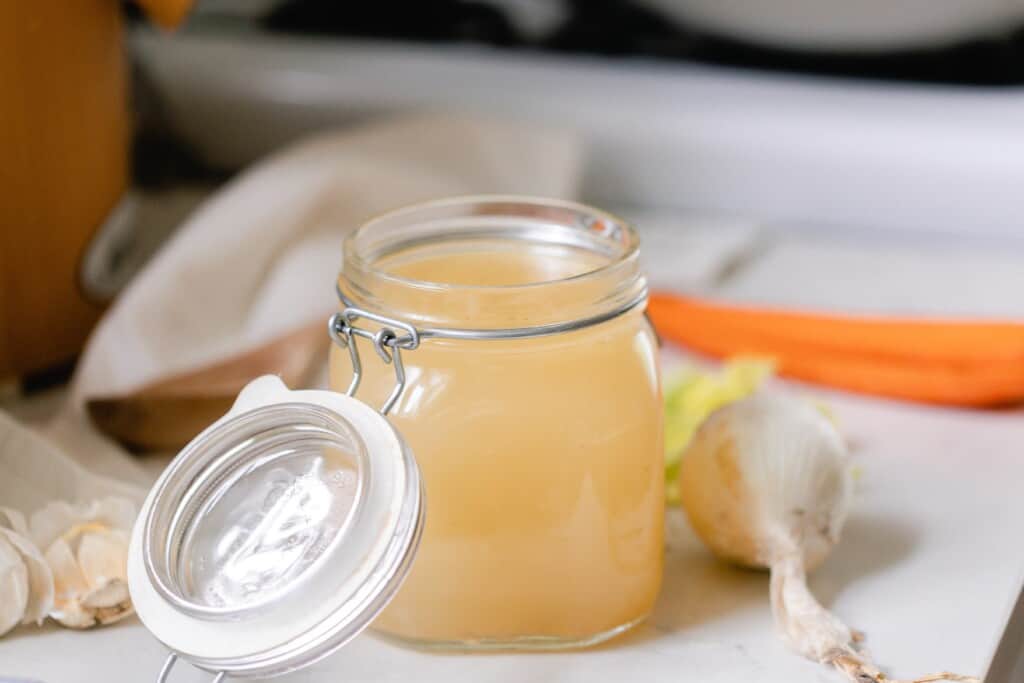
542	460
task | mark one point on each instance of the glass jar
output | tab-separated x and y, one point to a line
528	389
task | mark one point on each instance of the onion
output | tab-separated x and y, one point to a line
765	483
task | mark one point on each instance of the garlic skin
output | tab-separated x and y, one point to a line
765	483
765	477
26	581
86	548
13	586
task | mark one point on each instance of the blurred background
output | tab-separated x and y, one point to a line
176	177
853	156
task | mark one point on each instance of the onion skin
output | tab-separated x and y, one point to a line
764	476
716	497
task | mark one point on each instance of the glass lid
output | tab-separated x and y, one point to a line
278	533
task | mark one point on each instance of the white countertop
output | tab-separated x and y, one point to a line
928	567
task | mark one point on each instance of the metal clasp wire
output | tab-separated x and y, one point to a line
165	670
386	342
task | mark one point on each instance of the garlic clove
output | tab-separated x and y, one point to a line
89	564
110	615
49	523
103	559
69	585
68	578
103	556
38	575
110	602
81	579
110	594
56	519
14	589
72	614
40	579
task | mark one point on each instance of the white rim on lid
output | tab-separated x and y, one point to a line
278	533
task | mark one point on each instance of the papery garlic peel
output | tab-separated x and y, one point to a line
86	547
13	586
26	582
765	483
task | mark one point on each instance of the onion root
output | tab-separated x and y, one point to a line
816	633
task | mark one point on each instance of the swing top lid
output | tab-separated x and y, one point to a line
278	533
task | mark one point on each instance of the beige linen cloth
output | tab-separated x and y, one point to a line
256	259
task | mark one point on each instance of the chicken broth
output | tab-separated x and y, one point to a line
541	456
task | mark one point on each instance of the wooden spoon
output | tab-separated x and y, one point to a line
168	413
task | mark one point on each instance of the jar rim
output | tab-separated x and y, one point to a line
354	257
598	293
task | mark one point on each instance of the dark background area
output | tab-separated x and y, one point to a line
623	28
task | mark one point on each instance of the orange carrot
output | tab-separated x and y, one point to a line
953	341
886	364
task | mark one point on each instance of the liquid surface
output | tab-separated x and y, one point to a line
493	263
542	460
267	529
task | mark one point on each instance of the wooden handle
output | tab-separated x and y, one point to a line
167	414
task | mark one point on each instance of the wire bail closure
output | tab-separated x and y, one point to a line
165	670
386	342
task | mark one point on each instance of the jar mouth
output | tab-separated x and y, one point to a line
609	234
590	262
